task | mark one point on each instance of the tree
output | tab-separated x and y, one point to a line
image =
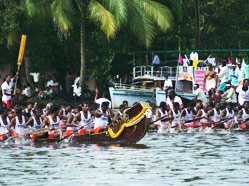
142	17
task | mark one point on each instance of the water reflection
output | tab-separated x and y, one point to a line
179	159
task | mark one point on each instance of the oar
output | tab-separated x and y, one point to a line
161	118
69	135
220	122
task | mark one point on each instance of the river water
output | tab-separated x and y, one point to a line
176	159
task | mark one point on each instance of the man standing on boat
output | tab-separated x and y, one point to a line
7	90
171	98
210	78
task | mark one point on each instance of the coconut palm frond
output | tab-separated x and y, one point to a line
119	9
140	24
100	14
159	13
62	14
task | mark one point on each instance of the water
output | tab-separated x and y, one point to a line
179	159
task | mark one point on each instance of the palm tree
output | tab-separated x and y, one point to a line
142	17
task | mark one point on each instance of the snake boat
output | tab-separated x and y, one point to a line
128	130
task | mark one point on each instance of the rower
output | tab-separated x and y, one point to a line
162	113
35	121
243	115
175	114
102	117
4	122
228	112
215	114
84	118
171	98
52	121
17	124
187	114
201	113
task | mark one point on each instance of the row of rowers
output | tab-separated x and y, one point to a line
198	114
53	117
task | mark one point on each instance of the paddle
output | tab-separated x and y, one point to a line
161	118
69	135
221	122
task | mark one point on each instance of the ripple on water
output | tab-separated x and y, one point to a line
178	159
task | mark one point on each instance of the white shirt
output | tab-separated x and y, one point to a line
167	84
243	96
35	76
241	73
50	83
101	100
194	56
8	89
27	92
200	95
176	99
223	74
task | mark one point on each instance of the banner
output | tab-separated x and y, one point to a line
199	78
21	50
185	73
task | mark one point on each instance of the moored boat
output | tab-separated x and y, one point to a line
142	88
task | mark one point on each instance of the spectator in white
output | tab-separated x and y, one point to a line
35	76
223	76
240	72
171	98
101	100
167	83
156	62
7	90
200	95
27	91
243	91
229	95
232	77
50	82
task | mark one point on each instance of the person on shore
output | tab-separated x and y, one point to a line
171	98
156	62
233	78
200	95
243	92
229	96
210	78
240	72
223	76
167	83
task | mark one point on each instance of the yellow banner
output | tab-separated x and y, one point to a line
21	50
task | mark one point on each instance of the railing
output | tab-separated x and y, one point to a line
152	72
131	87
